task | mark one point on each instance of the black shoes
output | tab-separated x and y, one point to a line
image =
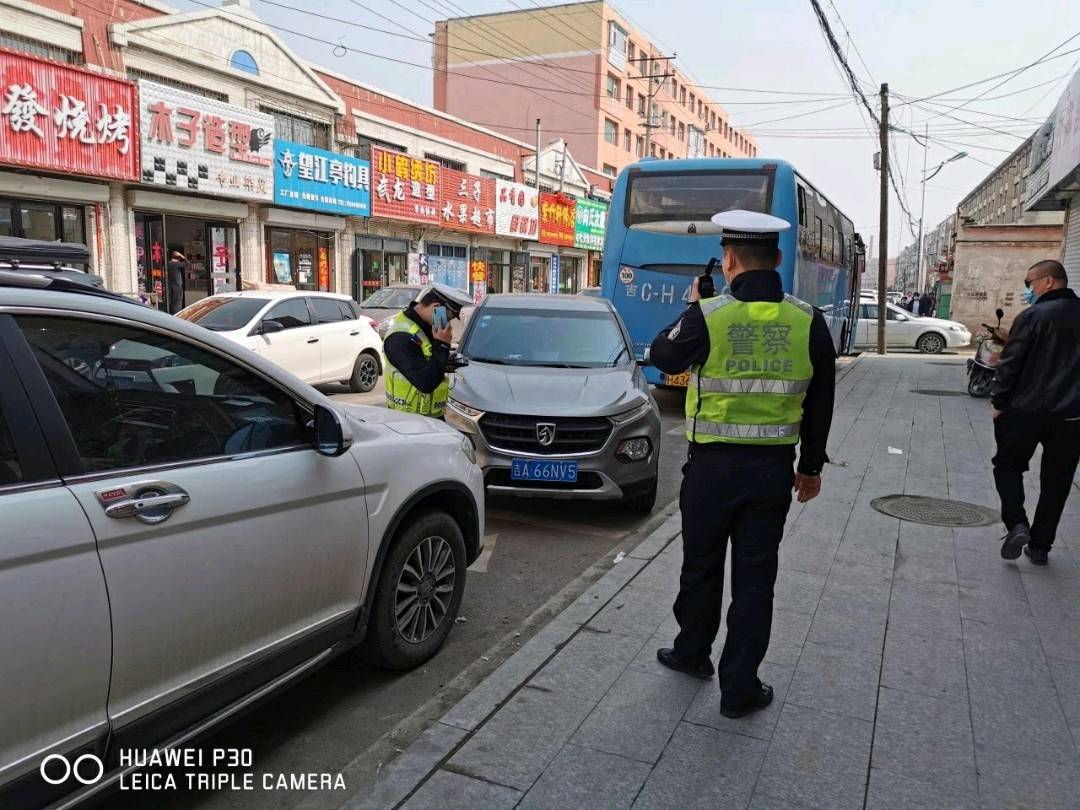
1018	537
702	668
763	699
1038	556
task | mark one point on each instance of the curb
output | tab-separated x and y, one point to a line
430	749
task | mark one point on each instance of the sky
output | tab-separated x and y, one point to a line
920	47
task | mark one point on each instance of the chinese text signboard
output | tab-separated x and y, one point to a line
478	277
198	144
61	118
307	177
556	219
516	210
589	222
405	187
467	202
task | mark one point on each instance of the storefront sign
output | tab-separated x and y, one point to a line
478	276
324	268
307	177
1055	149
64	119
405	187
516	210
467	202
589	222
197	144
555	273
556	219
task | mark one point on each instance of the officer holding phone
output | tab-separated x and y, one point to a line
417	349
762	382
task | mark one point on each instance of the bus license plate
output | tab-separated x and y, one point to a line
528	470
681	380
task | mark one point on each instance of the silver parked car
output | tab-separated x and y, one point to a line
185	527
555	402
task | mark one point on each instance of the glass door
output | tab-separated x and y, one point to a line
224	254
305	260
150	257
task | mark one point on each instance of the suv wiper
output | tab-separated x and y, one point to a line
493	360
556	365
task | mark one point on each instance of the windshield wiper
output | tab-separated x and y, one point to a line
493	360
556	365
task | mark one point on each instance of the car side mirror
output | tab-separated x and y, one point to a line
269	325
900	317
331	438
646	358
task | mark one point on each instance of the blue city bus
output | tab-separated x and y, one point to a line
660	237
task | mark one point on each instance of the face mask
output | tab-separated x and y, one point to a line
1029	296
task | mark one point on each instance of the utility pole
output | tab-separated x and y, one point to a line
562	167
656	81
922	212
883	230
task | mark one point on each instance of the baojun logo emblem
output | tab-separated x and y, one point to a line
86	769
545	433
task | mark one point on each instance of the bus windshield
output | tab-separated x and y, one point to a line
694	196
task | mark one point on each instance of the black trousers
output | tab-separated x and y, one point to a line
1017	437
746	504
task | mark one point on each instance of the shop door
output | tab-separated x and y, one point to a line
373	271
397	268
150	257
305	243
224	257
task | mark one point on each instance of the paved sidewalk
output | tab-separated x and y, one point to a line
912	666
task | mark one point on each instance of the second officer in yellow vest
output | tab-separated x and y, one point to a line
762	381
417	349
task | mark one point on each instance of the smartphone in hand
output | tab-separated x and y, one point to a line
438	318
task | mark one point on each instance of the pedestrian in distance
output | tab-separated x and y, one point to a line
905	302
913	304
926	306
417	349
175	271
762	381
1036	401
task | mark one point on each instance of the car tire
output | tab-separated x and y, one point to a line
432	542
931	343
642	504
365	373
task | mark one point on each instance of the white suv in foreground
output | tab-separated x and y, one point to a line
185	528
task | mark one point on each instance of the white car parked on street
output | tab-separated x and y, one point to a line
903	330
318	336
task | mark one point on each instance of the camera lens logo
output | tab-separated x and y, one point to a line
86	769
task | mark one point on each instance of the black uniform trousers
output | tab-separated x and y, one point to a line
747	503
1018	434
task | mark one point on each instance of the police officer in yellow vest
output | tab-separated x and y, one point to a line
417	352
762	380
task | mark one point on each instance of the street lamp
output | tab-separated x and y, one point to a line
919	280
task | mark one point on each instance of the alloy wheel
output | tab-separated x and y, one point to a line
368	372
424	589
931	344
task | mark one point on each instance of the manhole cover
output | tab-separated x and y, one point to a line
935	393
934	511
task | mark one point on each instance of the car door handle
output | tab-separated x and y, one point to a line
313	340
353	334
149	502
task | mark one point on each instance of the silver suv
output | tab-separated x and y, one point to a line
554	401
186	528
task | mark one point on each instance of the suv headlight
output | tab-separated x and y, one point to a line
465	410
468	449
634	449
632	414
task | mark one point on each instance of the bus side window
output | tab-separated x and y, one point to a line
832	244
802	205
819	247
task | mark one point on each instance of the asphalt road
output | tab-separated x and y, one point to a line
350	719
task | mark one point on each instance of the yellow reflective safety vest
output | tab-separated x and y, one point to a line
402	395
751	388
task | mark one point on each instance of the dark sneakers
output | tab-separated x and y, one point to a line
737	710
1038	556
1018	537
702	668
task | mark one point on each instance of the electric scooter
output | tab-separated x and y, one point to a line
987	356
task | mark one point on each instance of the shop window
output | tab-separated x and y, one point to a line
134	74
290	127
364	144
446	163
16	42
42	220
71	222
242	60
301	258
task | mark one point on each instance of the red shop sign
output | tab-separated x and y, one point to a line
61	118
404	187
467	202
557	219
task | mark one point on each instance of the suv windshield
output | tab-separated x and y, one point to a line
694	196
223	314
391	298
530	337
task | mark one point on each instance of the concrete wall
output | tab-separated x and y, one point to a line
989	267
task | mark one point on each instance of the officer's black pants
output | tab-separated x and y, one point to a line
747	503
1017	437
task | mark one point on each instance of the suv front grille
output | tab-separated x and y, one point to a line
573	434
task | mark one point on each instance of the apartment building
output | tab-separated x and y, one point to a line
591	78
999	198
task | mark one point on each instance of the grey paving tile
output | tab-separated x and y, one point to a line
515	745
1011	715
705	710
1004	654
852	625
581	777
916	607
808	560
940	569
1003	784
703	768
797	591
762	802
408	770
634	612
925	663
588	665
1066	675
789	630
896	791
636	718
1060	638
837	680
816	758
1002	603
454	791
925	736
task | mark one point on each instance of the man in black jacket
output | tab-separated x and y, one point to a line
1036	400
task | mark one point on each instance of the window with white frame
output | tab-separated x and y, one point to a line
611	131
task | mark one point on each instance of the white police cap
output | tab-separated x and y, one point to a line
749	227
451	297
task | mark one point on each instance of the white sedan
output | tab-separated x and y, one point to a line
320	337
903	330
